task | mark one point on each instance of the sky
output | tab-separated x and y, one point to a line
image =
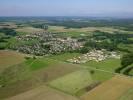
94	8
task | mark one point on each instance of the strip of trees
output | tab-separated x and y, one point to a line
126	61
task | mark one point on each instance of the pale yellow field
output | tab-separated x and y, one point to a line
43	93
110	90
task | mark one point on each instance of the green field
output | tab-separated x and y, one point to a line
73	82
36	64
85	29
112	89
23	70
65	56
101	76
50	58
31	73
107	65
50	68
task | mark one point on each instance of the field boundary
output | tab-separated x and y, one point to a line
88	67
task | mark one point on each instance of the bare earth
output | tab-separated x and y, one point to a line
43	93
110	90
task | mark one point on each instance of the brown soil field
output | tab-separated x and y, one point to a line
54	71
9	58
17	88
37	78
43	93
111	89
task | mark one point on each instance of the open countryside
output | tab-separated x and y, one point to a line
66	50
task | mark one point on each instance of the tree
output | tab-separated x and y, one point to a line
127	60
8	31
85	49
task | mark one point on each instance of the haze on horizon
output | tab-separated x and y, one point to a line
94	8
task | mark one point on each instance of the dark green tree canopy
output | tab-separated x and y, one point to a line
127	59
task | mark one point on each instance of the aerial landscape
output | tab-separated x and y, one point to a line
52	50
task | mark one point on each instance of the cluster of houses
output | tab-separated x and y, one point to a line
47	43
45	36
95	55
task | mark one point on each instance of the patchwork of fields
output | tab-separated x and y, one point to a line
52	78
111	90
87	29
31	73
66	58
107	65
43	93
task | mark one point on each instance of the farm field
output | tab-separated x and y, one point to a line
107	65
30	74
115	88
55	71
8	25
28	30
10	58
34	72
72	82
66	58
99	73
87	29
128	95
43	93
77	32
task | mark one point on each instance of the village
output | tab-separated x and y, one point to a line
45	43
95	55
